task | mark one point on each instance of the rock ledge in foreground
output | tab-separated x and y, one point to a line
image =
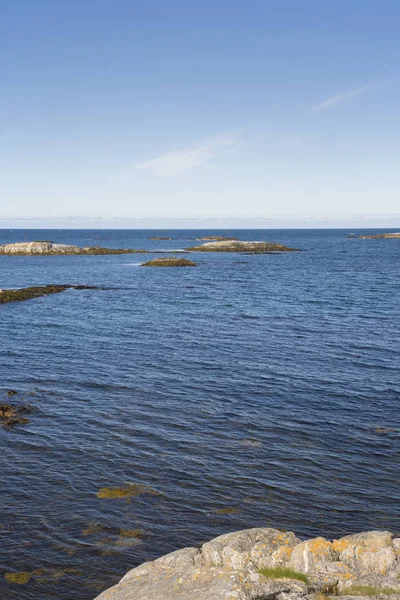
50	248
238	246
269	564
169	262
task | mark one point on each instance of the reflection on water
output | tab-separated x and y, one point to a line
260	391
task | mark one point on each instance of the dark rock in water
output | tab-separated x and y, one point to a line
95	528
12	393
217	238
10	414
25	409
238	246
161	237
169	262
6	411
37	292
12	421
50	248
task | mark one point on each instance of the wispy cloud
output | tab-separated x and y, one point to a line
334	100
173	163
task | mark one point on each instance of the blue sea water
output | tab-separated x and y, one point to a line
263	386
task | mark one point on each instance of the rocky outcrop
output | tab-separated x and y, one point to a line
169	261
387	236
237	246
161	237
269	564
38	291
49	248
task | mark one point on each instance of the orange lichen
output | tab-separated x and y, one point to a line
283	553
320	547
340	545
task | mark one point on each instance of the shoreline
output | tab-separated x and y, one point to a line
269	564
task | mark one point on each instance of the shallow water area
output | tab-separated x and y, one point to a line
258	390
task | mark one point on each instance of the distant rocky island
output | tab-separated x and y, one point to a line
161	237
49	248
238	246
270	564
387	236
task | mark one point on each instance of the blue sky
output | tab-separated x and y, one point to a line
266	109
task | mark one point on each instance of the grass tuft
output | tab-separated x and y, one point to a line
283	573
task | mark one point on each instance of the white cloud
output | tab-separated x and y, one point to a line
173	163
334	100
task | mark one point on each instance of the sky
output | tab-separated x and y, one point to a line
256	111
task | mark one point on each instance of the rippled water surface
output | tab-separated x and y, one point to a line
253	390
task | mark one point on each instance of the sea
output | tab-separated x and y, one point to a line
250	391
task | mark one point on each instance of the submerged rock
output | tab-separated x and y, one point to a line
169	262
49	248
238	246
161	237
38	291
94	528
42	574
10	414
21	578
133	489
268	564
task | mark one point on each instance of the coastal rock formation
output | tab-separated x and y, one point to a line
38	291
237	246
49	248
169	261
268	564
387	236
